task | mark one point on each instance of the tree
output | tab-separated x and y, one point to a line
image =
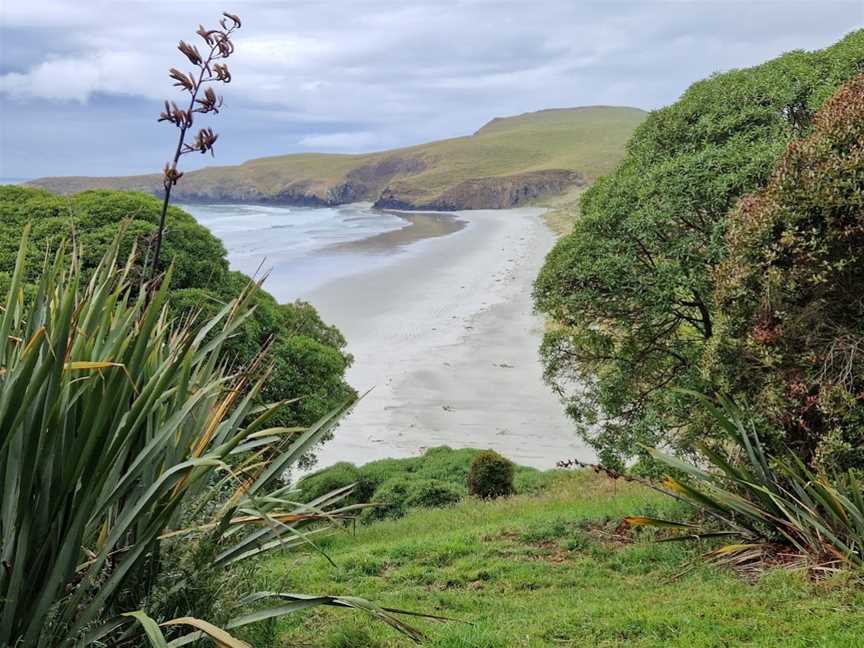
631	287
790	294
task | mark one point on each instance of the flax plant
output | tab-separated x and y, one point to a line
210	68
772	508
114	420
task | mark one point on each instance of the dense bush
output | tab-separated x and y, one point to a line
632	287
390	500
491	475
334	477
309	356
432	493
790	295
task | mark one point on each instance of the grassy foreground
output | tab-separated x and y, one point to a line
552	570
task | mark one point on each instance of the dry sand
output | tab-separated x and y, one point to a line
446	337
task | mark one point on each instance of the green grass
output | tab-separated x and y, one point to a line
563	210
547	570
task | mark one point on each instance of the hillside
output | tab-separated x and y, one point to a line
509	161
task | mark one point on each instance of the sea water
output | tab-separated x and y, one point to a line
302	248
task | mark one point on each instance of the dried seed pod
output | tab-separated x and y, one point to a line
221	73
204	140
209	102
191	52
225	46
182	80
234	18
205	34
171	174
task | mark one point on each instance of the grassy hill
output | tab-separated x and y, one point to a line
553	569
509	161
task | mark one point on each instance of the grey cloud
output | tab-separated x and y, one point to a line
363	75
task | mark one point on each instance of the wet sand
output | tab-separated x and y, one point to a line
447	339
420	226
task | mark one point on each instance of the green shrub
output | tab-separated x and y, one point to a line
396	496
437	478
334	477
491	475
390	500
431	493
309	356
447	464
384	470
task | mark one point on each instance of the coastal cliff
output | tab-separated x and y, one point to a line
509	162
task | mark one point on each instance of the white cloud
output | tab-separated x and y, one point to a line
77	78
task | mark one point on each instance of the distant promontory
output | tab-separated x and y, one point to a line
509	162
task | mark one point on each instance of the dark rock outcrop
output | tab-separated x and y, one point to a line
498	192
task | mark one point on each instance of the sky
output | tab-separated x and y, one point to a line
82	81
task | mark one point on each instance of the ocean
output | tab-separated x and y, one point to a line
302	248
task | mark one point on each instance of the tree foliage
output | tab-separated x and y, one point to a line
309	356
790	294
631	288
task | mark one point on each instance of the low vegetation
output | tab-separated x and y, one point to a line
556	568
441	476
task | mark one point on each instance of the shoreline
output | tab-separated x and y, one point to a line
446	338
421	226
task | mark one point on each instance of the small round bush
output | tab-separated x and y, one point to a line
432	493
491	475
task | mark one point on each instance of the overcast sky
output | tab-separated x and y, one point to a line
81	81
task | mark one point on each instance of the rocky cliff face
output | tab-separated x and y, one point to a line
377	183
486	193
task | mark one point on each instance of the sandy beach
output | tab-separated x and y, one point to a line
446	339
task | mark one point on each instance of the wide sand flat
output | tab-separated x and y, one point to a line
446	337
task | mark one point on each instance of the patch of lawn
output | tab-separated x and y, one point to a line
554	570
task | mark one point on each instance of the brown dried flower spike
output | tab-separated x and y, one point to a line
210	69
